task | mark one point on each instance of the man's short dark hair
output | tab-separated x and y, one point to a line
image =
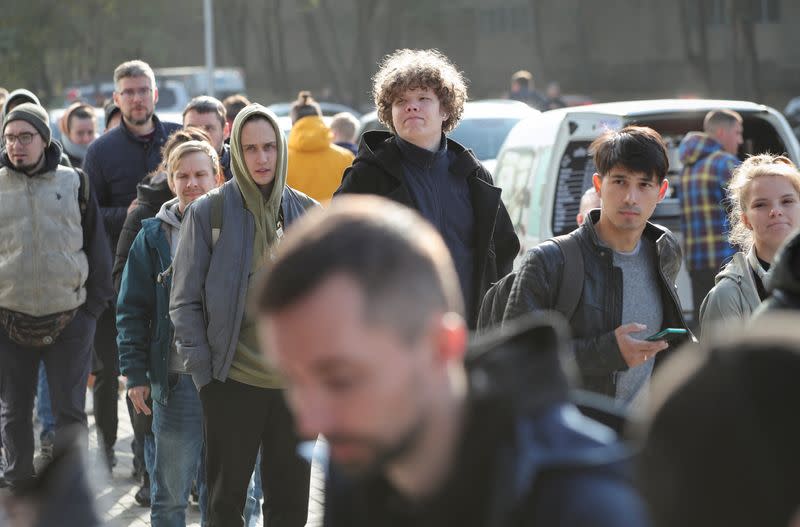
206	104
716	119
637	148
234	104
396	258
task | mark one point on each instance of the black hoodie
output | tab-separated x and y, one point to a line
149	197
378	169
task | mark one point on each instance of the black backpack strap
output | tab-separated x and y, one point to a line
84	188
571	285
494	303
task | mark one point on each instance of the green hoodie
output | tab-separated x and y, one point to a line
248	366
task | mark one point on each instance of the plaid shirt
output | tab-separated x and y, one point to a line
706	174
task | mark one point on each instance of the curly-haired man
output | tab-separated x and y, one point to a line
420	95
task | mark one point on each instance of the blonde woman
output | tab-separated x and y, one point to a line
765	208
145	337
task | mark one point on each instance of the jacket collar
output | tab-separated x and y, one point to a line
380	148
158	129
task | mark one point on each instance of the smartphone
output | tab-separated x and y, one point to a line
668	335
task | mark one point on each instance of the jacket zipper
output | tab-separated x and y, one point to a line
36	245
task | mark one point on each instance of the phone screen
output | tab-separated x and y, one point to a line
668	334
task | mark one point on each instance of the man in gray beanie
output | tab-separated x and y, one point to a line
57	281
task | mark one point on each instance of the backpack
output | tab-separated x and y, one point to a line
496	298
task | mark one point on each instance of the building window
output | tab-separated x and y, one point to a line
502	19
766	11
761	12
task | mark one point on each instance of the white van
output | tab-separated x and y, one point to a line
544	165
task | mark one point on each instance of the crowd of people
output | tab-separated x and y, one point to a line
260	292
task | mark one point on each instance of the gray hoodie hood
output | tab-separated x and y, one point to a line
171	221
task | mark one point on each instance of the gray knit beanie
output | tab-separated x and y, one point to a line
33	114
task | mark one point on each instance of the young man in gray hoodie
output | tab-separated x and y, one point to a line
226	238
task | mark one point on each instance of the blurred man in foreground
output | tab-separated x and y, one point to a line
417	438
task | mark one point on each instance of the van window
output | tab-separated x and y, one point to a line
513	171
483	136
574	175
539	175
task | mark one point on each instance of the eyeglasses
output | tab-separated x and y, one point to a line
131	93
23	138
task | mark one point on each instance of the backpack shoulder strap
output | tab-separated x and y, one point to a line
571	285
216	215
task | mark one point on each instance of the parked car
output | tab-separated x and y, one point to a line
483	127
544	165
227	81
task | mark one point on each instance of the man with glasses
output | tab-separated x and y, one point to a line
56	280
115	163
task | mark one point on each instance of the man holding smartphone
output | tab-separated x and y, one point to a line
629	265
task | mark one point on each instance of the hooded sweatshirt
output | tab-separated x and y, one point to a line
17	96
316	165
248	367
170	217
707	169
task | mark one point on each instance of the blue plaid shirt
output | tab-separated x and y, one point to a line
706	173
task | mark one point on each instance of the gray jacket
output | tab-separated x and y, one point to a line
209	282
734	297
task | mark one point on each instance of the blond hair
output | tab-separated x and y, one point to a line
190	147
407	69
753	168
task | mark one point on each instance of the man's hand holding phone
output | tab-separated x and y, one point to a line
636	351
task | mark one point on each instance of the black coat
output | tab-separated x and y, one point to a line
378	170
115	163
599	311
149	199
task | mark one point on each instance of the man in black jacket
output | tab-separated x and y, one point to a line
630	265
416	433
420	97
115	163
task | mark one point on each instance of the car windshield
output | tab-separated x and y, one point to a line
483	136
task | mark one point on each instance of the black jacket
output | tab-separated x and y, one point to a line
599	311
525	456
99	290
149	198
783	282
378	170
116	162
225	161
